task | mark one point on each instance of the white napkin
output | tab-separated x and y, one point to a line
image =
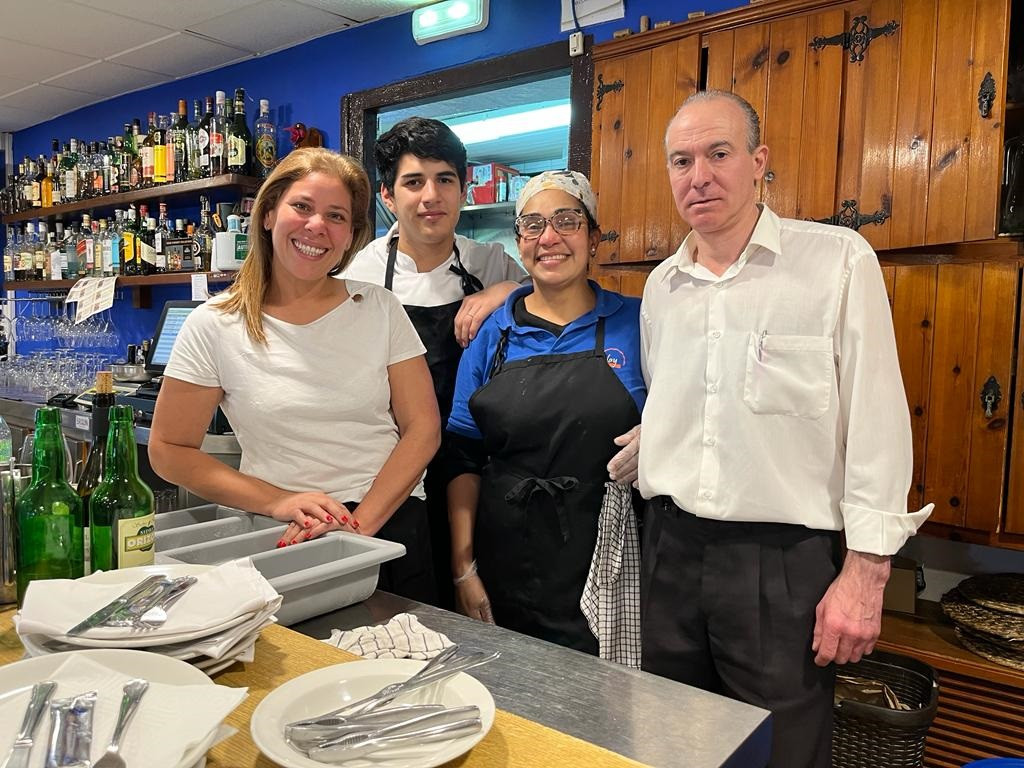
404	637
228	591
169	720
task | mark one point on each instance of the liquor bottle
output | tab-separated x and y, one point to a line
160	150
69	260
193	152
240	149
32	185
160	238
84	169
148	145
202	250
99	230
55	266
136	172
179	145
121	508
114	235
40	168
124	160
46	187
100	169
266	141
92	472
147	247
10	253
113	164
83	248
51	528
205	126
41	253
129	244
218	133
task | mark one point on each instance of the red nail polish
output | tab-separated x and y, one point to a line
344	519
309	535
307	523
355	523
330	519
281	543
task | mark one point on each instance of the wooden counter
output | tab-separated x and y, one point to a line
282	655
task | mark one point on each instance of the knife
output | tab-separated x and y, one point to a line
19	754
111	608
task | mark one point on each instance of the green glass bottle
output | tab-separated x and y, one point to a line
92	472
51	527
121	524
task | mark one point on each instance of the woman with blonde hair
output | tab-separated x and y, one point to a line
324	381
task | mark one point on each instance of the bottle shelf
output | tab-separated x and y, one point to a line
164	278
157	193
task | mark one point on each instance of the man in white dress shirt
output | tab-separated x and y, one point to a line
776	421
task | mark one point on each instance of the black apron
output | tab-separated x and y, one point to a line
548	424
436	329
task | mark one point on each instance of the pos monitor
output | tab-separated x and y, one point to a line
171	319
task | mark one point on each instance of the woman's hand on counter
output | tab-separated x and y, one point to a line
471	599
309	515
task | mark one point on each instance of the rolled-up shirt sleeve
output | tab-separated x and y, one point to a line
876	420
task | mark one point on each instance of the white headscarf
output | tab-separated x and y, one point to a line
571	182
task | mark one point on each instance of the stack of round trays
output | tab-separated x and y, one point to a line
988	611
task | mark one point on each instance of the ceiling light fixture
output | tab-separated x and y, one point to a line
448	19
491	128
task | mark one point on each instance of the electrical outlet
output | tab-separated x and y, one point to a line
576	44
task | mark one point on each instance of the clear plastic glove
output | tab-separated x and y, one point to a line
625	465
471	599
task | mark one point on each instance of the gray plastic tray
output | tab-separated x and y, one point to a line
314	577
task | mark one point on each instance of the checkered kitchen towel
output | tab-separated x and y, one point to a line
401	638
611	596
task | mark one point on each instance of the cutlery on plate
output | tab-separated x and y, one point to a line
22	747
304	736
133	692
349	747
387	694
154	618
108	611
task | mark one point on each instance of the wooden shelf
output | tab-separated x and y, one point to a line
156	193
128	281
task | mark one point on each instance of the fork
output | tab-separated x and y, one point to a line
154	618
133	692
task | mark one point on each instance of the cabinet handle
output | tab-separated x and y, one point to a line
603	88
986	96
850	217
991	394
770	176
610	236
857	39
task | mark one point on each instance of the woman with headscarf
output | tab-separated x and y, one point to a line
550	382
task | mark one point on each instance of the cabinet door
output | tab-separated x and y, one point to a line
797	92
955	328
919	162
636	95
1015	496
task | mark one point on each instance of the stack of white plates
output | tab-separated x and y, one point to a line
215	623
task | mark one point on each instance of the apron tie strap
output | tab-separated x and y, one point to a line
556	487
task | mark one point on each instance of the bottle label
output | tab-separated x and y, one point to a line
147	253
115	254
128	248
266	152
236	151
216	144
71	184
135	539
241	247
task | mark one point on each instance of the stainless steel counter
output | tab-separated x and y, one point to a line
644	717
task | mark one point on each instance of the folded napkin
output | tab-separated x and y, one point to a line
227	592
169	720
401	638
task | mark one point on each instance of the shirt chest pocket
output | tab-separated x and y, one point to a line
789	375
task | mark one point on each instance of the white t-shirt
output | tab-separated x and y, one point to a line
488	262
311	409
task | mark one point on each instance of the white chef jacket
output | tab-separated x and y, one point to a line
774	390
488	262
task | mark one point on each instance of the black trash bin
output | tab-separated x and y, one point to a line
873	736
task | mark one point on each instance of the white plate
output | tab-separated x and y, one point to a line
325	689
23	674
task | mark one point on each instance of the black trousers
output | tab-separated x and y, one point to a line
729	607
411	575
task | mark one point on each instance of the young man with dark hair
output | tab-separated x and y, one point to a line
448	283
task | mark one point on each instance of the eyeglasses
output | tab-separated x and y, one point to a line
530	226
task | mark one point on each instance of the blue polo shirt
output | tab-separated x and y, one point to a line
621	342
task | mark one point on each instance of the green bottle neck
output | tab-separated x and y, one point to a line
122	458
48	464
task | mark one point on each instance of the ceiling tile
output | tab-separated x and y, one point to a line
105	78
23	61
177	15
272	25
48	99
78	28
181	54
14	119
366	10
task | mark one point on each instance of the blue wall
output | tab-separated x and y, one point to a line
306	83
